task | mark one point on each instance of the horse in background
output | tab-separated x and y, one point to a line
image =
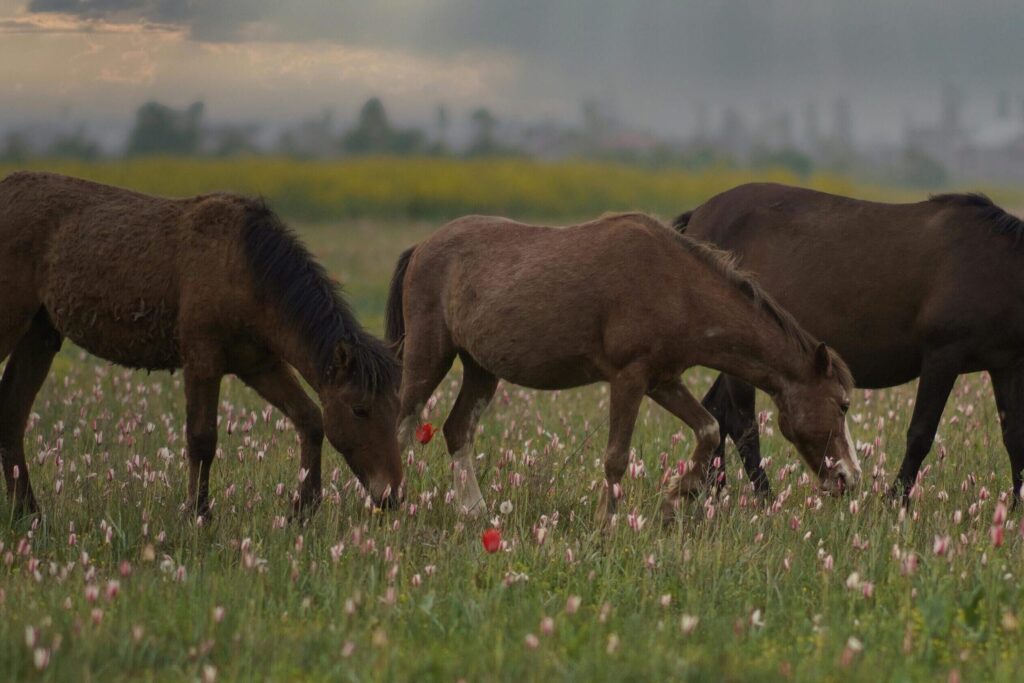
932	289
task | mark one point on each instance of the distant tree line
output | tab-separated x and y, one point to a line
162	130
158	129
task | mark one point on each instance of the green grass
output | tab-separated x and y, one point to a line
414	597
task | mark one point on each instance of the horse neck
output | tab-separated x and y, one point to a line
286	341
746	342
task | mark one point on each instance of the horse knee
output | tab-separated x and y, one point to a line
709	436
310	426
615	467
712	401
919	441
202	446
455	436
1013	435
9	438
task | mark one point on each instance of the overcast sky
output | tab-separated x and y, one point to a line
653	62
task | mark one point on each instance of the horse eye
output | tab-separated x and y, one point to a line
360	411
845	408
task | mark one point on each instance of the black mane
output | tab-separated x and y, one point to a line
288	275
999	220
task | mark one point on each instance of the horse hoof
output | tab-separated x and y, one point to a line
303	510
669	511
201	519
24	510
474	509
763	492
604	524
897	492
198	515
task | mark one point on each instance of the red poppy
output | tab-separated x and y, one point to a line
424	433
491	540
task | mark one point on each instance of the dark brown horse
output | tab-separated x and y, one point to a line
933	289
213	284
624	300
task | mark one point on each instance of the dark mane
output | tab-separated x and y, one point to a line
288	276
724	263
999	220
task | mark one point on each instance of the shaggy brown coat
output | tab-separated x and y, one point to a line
622	299
932	289
212	284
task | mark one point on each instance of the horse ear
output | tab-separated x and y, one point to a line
823	360
339	360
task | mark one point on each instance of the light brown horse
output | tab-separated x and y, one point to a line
931	289
213	284
624	300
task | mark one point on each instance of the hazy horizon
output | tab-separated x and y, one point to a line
653	63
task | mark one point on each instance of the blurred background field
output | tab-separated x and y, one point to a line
421	188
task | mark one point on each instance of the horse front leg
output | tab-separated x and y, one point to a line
478	387
627	392
203	373
24	375
677	399
278	385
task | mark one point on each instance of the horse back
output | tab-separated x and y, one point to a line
879	282
581	298
117	270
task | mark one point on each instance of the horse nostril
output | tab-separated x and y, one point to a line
837	483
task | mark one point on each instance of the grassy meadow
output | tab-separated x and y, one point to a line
114	583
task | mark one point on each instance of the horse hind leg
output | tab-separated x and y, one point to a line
627	393
426	359
1008	385
26	370
15	320
938	375
478	387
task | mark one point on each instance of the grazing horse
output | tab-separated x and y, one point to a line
213	284
622	299
932	290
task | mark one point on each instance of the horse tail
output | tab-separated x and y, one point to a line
394	319
681	221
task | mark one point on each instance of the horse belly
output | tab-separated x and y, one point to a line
534	361
148	341
875	368
550	374
126	316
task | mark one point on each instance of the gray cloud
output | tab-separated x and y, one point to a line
154	10
651	60
217	20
